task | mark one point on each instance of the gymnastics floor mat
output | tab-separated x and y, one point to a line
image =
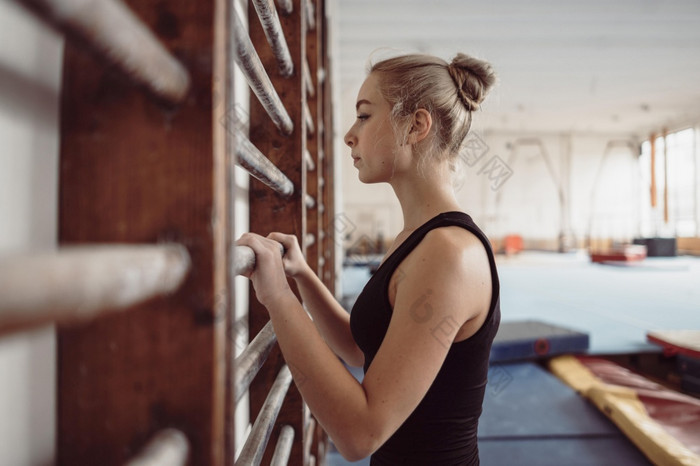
531	339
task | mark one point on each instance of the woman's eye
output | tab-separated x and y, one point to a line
362	117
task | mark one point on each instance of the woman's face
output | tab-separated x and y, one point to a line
372	138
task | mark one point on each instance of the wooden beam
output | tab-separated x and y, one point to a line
269	211
666	213
134	171
652	189
326	159
311	114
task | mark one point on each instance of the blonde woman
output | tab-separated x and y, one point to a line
423	325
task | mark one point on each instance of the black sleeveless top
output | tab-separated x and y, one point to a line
442	429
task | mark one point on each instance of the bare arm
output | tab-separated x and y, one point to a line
332	321
361	417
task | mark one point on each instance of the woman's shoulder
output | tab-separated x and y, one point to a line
451	239
449	247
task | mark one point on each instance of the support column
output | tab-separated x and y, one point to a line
269	211
135	170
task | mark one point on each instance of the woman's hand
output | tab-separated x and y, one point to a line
294	261
268	277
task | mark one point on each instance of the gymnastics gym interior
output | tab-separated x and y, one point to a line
140	139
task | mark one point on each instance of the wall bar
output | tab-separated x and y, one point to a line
309	239
249	362
310	15
309	120
111	29
255	445
258	80
254	162
310	165
275	36
309	201
79	282
308	82
285	6
284	447
244	259
169	447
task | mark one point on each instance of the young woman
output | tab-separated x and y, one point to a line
422	327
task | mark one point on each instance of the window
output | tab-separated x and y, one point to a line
681	168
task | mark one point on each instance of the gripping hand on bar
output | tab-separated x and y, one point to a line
273	259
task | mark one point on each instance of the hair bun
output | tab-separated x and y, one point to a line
473	77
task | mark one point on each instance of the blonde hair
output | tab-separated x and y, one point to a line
450	92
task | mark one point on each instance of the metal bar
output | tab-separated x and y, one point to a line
258	80
309	239
310	165
249	362
80	282
244	259
275	36
285	6
254	447
169	447
308	82
310	15
309	435
280	457
112	30
310	201
309	119
254	162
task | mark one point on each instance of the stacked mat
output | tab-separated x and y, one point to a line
685	345
531	339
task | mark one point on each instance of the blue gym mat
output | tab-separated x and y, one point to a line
532	418
531	339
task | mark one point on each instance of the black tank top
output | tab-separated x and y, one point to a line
442	429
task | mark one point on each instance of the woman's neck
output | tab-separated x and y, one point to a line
423	196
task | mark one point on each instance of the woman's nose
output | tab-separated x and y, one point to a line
349	139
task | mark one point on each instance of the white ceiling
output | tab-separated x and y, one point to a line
600	66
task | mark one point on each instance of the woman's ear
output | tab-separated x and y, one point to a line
421	124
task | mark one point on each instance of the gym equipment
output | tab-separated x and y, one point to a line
531	417
535	339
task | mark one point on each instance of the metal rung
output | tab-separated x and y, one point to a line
168	447
283	449
255	445
79	282
275	36
254	162
258	80
112	30
248	364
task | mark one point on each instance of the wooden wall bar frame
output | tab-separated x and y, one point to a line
326	156
271	212
134	170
